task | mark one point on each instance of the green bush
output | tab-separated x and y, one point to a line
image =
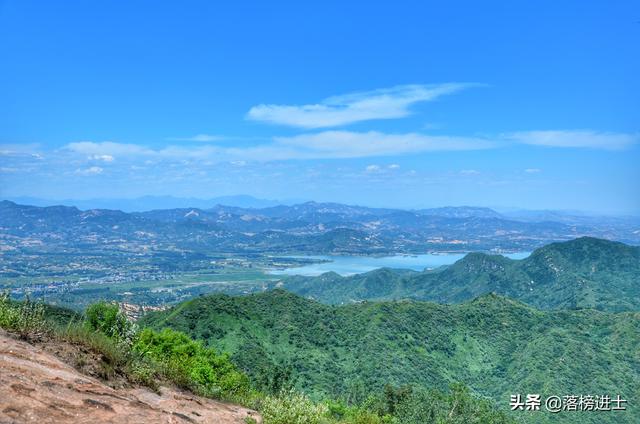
344	414
26	318
144	371
361	416
191	365
114	353
458	406
290	407
107	318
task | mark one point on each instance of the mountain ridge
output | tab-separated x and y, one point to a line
310	227
582	273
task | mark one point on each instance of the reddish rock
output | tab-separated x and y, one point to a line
37	387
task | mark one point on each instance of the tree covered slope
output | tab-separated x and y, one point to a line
495	345
582	273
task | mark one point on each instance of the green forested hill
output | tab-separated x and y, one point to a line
582	273
495	345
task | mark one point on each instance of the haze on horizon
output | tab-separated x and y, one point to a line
164	202
495	105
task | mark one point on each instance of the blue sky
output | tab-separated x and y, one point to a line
407	104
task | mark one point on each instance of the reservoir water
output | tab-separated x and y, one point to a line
348	265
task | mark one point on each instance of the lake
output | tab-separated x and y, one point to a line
348	265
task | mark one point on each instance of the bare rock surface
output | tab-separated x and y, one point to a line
37	387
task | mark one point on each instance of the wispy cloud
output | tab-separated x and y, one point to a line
108	148
348	144
203	138
532	170
103	158
381	169
94	170
469	172
389	103
575	138
20	150
332	144
322	145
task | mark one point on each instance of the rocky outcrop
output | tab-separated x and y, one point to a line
38	387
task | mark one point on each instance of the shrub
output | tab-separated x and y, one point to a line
191	365
27	318
458	406
345	414
144	371
107	318
290	407
361	416
113	352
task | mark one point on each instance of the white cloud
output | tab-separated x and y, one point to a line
199	137
389	103
372	169
575	138
532	170
20	150
469	172
348	144
334	144
394	166
104	158
108	148
94	170
322	145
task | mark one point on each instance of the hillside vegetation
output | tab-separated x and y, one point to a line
495	345
104	344
582	273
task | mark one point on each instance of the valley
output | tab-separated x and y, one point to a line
150	259
327	306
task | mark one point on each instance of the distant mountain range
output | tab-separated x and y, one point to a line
582	273
148	203
497	346
302	228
